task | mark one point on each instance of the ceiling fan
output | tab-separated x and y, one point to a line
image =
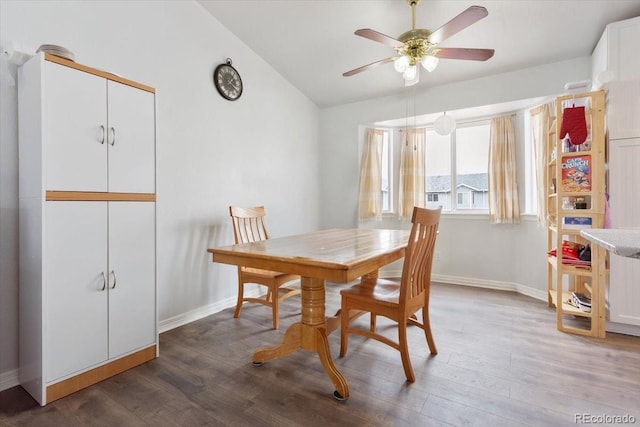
420	46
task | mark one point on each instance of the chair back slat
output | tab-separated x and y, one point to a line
416	271
249	224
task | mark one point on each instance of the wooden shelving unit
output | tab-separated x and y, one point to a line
566	200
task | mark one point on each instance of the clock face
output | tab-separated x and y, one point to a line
227	81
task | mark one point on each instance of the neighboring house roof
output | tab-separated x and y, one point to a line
442	184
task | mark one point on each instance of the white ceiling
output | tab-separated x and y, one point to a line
311	42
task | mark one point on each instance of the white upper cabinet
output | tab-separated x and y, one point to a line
617	52
74	129
131	139
623	109
98	134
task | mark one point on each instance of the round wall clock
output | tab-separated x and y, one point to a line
227	80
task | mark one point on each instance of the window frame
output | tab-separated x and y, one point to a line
455	206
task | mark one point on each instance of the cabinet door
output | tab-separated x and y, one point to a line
132	296
623	45
623	109
75	304
75	116
624	191
131	139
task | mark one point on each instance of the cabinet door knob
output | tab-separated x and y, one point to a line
114	279
100	135
112	132
104	282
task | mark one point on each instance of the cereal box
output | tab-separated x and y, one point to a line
576	174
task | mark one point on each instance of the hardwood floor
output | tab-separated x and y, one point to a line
501	362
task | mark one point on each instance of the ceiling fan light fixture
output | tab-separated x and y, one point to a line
444	125
429	62
401	63
410	72
419	45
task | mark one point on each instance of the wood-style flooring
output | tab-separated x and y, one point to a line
501	362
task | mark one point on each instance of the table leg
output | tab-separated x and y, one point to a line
310	334
369	279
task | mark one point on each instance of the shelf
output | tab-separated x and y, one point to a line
567	308
570	269
569	231
562	276
576	153
583	213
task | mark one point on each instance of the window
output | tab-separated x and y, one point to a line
437	167
460	160
469	146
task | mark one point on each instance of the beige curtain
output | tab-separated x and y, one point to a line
370	197
411	191
541	118
503	189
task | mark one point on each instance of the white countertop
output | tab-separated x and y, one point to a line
620	241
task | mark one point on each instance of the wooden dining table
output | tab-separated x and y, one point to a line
335	255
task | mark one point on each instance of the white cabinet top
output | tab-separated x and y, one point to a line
620	241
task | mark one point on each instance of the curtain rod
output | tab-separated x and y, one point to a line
462	122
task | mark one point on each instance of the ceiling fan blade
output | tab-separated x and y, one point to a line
464	53
459	23
370	34
366	67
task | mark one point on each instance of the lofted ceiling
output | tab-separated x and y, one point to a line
311	42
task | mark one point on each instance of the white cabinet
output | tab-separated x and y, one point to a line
624	183
623	109
99	133
131	276
87	226
101	275
131	139
616	54
617	51
75	299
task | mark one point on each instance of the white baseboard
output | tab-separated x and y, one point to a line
193	315
9	379
491	284
622	328
202	312
478	283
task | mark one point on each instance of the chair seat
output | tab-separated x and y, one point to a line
386	291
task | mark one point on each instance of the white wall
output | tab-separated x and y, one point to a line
210	152
471	250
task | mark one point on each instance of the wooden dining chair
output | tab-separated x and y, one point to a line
249	225
398	301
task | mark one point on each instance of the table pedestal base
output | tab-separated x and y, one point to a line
311	335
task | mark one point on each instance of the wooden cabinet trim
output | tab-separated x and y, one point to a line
90	196
97	72
86	379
